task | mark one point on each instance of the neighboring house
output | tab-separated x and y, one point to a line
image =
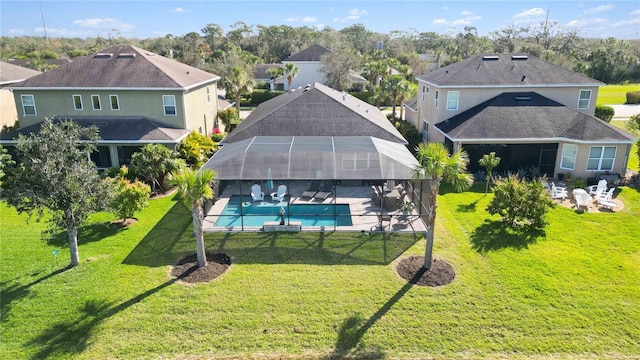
134	96
9	75
261	74
309	67
532	113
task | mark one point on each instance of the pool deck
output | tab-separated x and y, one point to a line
365	215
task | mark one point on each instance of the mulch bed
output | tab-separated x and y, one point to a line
120	223
187	269
410	269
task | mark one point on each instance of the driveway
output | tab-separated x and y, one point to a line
625	111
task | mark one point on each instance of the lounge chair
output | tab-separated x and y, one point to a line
582	200
256	192
324	192
558	192
280	194
597	189
315	186
606	199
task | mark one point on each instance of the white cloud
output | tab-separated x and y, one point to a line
535	12
598	9
583	23
466	13
106	23
440	22
16	31
445	8
353	14
338	20
180	10
627	22
304	19
64	32
473	18
636	12
460	22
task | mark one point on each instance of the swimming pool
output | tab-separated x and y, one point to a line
255	214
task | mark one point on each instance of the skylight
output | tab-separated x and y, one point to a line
519	57
490	57
103	55
126	55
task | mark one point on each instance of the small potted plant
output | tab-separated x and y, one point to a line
406	207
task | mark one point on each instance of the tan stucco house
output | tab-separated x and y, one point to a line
11	74
533	114
133	96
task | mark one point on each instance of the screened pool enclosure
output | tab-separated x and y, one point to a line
348	167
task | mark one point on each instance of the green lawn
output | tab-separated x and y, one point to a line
615	94
569	292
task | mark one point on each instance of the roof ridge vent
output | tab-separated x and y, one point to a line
102	56
519	57
490	57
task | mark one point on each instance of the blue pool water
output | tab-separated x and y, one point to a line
256	213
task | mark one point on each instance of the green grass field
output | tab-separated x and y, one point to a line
615	94
570	292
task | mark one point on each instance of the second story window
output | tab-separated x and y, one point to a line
95	100
452	100
169	104
28	105
437	98
77	102
584	99
208	94
115	104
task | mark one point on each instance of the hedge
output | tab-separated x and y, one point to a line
633	97
604	112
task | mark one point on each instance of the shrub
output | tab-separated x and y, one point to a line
363	95
633	125
260	96
604	112
633	97
195	149
228	116
129	197
409	132
520	203
152	164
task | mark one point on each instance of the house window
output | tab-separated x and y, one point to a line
95	100
77	102
28	105
437	97
425	91
452	100
569	153
169	104
113	100
425	130
208	94
584	99
601	158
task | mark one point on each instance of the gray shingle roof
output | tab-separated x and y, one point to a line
505	69
528	115
316	110
312	53
260	71
10	73
117	129
121	66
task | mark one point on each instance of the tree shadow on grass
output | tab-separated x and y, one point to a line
467	208
12	291
354	327
72	337
495	235
86	234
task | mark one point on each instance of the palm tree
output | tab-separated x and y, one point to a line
291	71
239	82
489	161
275	73
194	189
392	87
435	166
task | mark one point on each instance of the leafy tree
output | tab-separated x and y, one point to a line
236	72
5	161
56	177
152	163
229	118
213	34
194	188
489	162
519	202
128	197
291	71
396	88
359	37
337	66
196	149
633	124
436	166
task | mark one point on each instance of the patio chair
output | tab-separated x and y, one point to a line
256	192
315	186
597	189
280	194
324	192
582	200
558	192
606	198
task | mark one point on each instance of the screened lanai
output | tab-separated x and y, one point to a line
351	166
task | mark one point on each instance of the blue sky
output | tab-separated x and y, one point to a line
146	19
